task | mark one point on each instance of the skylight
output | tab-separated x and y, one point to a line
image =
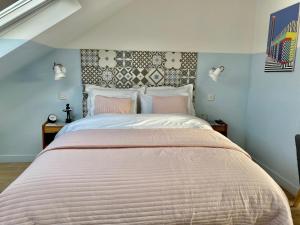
6	3
12	11
21	24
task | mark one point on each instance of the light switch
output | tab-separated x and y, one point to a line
62	96
211	97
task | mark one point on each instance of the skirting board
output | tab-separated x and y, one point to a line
16	158
290	187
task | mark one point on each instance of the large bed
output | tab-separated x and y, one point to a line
143	169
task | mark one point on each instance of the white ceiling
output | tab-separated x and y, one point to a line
92	13
175	25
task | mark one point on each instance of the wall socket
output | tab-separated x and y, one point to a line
211	97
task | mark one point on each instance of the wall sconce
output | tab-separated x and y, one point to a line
59	71
214	73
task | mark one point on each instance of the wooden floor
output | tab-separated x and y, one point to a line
10	171
295	211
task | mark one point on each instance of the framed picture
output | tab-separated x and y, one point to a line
282	40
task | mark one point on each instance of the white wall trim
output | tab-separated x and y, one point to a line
289	186
16	158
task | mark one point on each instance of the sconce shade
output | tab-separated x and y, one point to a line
59	71
214	73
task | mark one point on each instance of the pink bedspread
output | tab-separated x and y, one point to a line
163	176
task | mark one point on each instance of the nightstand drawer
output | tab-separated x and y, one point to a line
52	129
220	127
49	131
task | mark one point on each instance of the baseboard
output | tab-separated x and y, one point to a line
16	158
290	187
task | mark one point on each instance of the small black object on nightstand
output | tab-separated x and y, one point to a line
68	111
220	126
52	118
219	121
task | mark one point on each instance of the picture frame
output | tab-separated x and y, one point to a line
283	40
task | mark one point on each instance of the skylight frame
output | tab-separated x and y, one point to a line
19	10
13	7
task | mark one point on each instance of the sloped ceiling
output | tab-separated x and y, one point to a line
92	13
223	26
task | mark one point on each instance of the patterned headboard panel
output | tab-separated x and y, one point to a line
126	69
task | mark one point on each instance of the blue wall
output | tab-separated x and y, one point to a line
261	108
231	91
25	55
273	120
266	126
29	93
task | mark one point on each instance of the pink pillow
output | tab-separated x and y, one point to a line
170	104
112	105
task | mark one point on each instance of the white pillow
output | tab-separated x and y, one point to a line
146	104
186	90
94	90
89	87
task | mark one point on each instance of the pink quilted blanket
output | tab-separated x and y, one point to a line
151	176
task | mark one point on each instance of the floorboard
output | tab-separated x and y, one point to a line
295	211
9	172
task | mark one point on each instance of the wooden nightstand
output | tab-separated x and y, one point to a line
220	127
49	130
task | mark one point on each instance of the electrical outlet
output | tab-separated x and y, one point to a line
211	97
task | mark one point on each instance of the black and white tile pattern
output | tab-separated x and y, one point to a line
155	77
141	59
124	58
126	69
123	77
139	76
157	60
107	77
173	77
89	57
188	76
189	60
90	75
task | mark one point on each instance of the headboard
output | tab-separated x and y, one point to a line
126	69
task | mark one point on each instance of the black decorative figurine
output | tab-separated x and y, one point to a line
68	111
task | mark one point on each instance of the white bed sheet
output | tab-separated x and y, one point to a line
135	121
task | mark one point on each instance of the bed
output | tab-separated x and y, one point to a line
159	167
143	169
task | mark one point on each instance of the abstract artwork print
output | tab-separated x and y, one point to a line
282	40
